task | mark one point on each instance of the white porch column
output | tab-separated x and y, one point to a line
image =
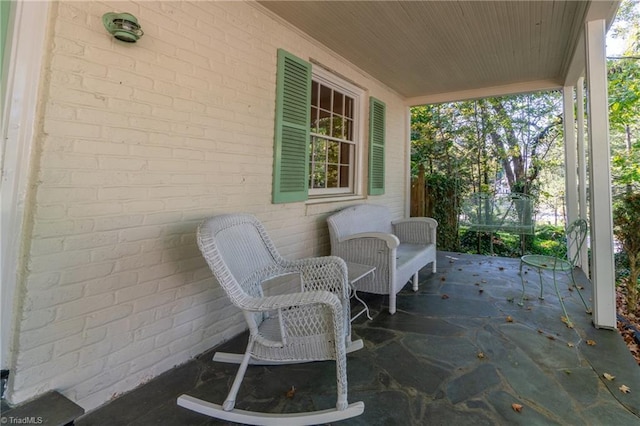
603	275
570	159
407	165
583	201
26	35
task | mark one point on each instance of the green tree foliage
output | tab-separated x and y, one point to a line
489	142
626	220
487	145
624	99
442	187
624	118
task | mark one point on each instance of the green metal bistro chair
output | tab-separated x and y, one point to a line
576	234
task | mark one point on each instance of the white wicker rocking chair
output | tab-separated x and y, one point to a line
309	325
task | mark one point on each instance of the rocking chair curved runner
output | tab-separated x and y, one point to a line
309	325
576	235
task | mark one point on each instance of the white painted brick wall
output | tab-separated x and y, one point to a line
139	143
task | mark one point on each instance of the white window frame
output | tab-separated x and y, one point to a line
331	80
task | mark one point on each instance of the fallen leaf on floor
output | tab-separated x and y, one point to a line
591	342
624	389
445	296
516	407
567	371
509	319
480	355
551	338
540	331
608	376
571	345
291	392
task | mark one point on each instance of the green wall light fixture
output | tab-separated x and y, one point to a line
123	26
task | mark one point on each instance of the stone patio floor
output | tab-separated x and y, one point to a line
460	351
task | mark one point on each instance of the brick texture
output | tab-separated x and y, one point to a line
138	144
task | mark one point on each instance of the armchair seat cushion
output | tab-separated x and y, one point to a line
366	234
412	257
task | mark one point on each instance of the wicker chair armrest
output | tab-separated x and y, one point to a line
390	240
369	249
416	230
327	273
283	301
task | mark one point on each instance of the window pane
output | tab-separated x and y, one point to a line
314	119
319	151
338	103
324	123
332	176
334	149
345	153
319	176
344	176
348	107
325	97
314	93
348	129
337	127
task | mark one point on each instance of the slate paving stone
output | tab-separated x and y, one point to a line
457	352
536	386
501	402
473	383
607	413
408	371
375	336
405	322
553	354
436	306
441	413
377	410
421	365
494	346
581	384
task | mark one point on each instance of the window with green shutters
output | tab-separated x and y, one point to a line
318	139
291	147
377	111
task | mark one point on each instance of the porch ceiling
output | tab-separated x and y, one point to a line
443	50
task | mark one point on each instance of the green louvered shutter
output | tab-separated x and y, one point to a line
377	110
291	146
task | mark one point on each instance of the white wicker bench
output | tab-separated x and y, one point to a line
398	249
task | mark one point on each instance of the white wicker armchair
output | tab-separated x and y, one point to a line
309	325
398	249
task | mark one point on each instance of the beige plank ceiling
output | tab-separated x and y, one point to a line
426	48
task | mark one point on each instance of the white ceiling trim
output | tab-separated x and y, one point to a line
463	95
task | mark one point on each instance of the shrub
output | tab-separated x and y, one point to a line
626	228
